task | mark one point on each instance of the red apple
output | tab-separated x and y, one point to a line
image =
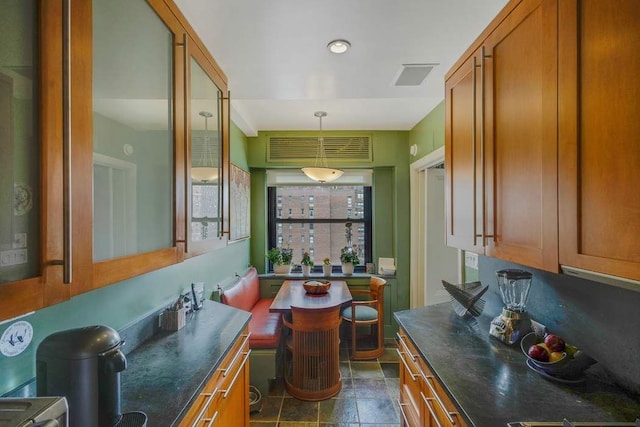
554	342
538	353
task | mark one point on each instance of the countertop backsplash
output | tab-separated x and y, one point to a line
602	320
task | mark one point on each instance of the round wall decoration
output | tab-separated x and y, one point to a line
16	338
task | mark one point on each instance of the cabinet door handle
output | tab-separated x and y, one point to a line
404	416
404	362
235	377
427	402
406	348
428	379
66	143
212	419
226	370
484	56
474	125
221	193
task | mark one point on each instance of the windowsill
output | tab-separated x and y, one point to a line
338	275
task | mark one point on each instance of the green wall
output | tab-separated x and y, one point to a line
125	302
428	134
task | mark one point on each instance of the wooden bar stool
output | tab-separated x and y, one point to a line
368	313
313	371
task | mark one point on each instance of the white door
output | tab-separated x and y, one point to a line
441	260
431	260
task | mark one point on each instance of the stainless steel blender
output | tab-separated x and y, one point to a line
513	323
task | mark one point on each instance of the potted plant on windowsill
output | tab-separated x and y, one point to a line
349	259
307	263
326	267
281	259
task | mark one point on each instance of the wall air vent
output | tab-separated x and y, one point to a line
412	74
342	148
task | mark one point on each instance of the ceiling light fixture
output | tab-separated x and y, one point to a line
205	170
321	172
339	46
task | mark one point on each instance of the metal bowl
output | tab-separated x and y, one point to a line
316	286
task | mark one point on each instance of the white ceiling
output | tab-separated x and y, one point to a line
280	71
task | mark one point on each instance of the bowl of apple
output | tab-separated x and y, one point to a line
553	356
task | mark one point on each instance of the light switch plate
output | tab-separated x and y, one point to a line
471	260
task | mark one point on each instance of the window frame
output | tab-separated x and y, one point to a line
367	220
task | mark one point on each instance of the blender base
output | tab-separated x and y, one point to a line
510	326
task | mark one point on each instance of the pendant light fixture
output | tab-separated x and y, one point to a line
321	172
205	171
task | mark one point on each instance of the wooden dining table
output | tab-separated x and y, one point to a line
292	293
312	360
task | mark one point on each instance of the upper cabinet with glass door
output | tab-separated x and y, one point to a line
208	142
136	81
31	178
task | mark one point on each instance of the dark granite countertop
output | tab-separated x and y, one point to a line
491	382
166	372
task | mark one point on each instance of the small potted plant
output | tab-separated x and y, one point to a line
349	259
326	266
307	263
281	259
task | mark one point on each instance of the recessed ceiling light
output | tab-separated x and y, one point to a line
339	46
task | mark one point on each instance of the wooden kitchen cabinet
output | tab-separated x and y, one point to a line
599	156
412	411
32	205
224	400
500	139
423	400
98	153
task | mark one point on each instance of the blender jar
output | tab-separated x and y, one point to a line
514	287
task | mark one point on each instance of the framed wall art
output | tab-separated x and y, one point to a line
240	203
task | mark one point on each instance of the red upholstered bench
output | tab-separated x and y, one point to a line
265	328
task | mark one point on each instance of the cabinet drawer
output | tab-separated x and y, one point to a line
410	383
437	401
212	400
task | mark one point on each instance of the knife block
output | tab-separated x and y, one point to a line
173	320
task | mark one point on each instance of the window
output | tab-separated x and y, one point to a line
333	207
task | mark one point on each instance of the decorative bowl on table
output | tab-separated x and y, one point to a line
571	364
316	287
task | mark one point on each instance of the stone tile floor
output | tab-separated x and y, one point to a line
368	398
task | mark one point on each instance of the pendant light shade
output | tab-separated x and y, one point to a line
205	170
321	172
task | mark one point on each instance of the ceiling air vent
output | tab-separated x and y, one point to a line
349	148
413	74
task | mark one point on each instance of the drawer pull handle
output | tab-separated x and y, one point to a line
235	377
406	349
404	362
226	370
450	415
200	416
212	419
404	416
427	402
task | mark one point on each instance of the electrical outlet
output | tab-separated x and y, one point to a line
187	300
13	257
538	328
471	260
19	241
